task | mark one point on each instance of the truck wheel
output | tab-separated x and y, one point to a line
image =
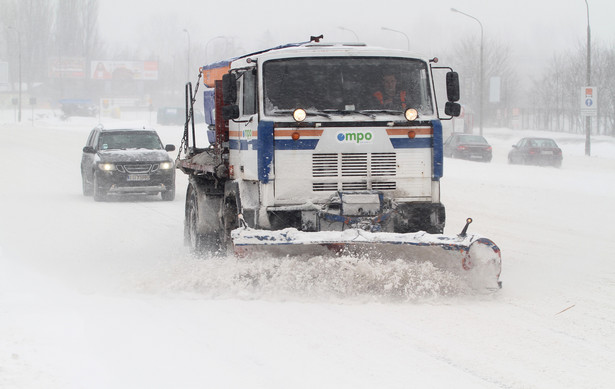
99	193
192	237
229	220
199	243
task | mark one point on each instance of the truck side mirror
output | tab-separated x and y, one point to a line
452	109
452	86
89	150
230	112
229	88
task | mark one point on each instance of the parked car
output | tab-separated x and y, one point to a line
126	160
171	115
78	107
467	146
176	115
536	151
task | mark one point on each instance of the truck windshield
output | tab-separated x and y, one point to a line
346	84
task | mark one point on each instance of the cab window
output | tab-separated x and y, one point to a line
249	92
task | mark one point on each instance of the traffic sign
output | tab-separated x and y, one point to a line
589	101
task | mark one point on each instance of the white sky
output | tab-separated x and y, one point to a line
527	23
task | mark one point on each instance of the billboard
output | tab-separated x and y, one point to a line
124	70
67	67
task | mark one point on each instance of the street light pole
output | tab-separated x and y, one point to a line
399	32
481	76
588	120
347	29
188	66
19	69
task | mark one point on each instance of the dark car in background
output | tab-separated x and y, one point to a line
78	107
176	115
171	115
536	151
127	160
468	146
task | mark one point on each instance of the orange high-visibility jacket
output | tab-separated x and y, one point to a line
402	98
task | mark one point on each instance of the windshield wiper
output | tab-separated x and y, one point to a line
348	112
374	111
309	112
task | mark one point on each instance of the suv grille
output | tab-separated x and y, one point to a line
347	167
139	167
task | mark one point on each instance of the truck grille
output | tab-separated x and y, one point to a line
339	171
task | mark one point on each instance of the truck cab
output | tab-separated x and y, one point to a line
323	137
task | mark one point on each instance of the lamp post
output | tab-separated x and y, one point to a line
481	77
188	66
399	32
347	29
588	122
19	69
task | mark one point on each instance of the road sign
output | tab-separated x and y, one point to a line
589	101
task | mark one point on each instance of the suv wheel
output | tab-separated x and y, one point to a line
87	187
168	195
99	193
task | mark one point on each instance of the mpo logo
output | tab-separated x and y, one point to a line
355	137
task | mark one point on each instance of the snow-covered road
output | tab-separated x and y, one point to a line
102	295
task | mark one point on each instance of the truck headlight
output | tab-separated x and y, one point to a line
411	114
166	165
299	114
106	166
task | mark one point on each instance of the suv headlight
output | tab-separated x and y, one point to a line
107	167
166	165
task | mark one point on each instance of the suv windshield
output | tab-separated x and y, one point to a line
346	84
129	140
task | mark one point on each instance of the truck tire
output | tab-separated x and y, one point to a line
229	220
198	242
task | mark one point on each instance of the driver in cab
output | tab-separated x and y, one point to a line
389	97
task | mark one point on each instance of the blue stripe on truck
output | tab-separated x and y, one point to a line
264	150
438	156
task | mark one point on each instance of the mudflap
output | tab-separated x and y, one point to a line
472	257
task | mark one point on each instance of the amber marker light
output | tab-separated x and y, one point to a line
411	114
295	136
299	114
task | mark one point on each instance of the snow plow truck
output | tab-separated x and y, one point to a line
325	148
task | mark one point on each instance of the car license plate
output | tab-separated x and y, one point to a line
138	177
546	152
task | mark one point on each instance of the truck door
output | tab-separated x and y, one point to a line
243	130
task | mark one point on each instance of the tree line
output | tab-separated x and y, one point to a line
548	101
34	33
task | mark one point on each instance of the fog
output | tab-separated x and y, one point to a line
534	29
106	295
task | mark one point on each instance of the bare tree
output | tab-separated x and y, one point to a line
558	107
28	29
497	62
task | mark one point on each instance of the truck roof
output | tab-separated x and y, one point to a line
215	71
